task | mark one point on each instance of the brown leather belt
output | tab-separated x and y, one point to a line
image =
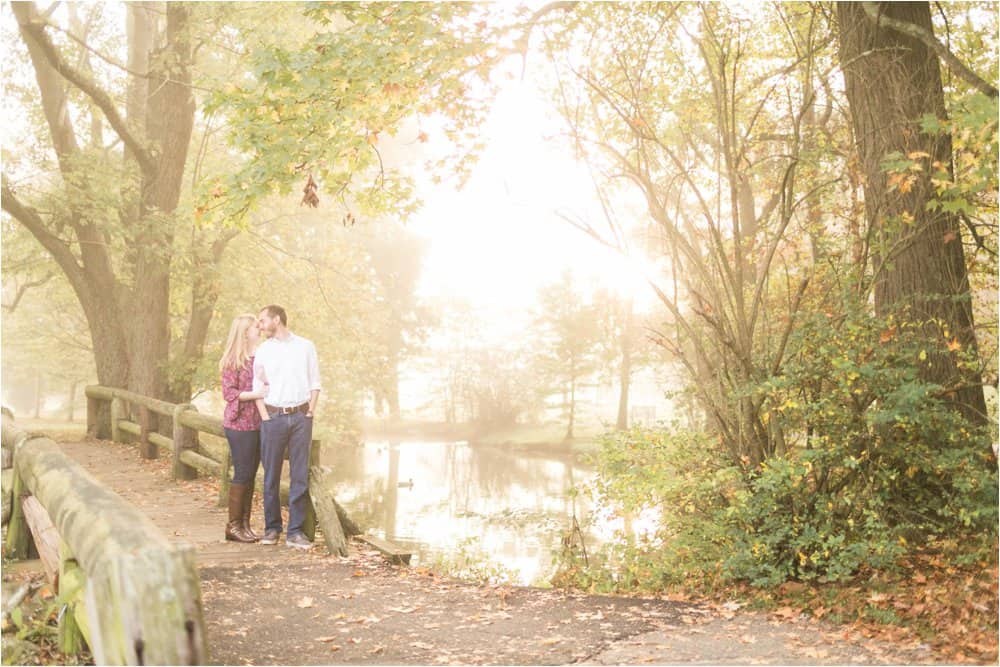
287	411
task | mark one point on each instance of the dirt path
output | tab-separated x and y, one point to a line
275	605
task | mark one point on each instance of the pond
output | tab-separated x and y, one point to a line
499	509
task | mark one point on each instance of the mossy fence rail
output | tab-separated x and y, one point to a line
130	594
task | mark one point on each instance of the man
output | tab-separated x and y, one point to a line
289	365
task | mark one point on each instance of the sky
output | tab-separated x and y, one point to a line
499	238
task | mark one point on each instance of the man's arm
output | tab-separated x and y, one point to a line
314	384
313	398
259	387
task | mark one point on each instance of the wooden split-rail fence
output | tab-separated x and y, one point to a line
131	595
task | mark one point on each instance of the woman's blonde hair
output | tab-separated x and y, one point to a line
237	351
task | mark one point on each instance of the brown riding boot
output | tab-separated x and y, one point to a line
234	527
247	506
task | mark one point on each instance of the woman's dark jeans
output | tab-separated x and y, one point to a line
244	450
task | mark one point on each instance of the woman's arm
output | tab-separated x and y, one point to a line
253	395
261	392
230	385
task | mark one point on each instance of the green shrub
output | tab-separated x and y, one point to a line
877	461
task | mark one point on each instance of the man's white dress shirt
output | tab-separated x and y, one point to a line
291	369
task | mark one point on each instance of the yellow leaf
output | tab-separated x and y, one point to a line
304	603
916	155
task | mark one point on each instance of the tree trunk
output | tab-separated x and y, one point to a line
128	312
892	80
169	123
38	396
71	400
572	406
625	369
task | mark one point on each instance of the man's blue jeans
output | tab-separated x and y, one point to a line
294	433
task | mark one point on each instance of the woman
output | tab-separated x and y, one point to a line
241	421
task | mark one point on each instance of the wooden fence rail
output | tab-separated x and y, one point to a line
191	457
132	594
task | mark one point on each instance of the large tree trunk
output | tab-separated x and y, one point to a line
128	312
892	81
169	122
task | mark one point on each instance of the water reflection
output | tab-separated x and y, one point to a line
440	498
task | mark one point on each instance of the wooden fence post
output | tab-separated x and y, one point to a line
44	534
184	438
309	521
73	617
98	411
117	413
224	465
93	410
18	536
147	449
323	505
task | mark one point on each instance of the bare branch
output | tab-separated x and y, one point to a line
34	28
33	222
930	41
21	289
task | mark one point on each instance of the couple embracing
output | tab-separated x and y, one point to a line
270	387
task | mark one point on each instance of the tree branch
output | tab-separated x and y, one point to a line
922	35
33	222
35	28
10	307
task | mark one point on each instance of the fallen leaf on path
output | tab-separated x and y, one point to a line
786	612
325	639
423	645
304	602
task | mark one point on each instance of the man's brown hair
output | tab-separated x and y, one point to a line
277	311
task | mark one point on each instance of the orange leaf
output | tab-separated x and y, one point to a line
954	345
949	237
786	612
422	137
887	335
